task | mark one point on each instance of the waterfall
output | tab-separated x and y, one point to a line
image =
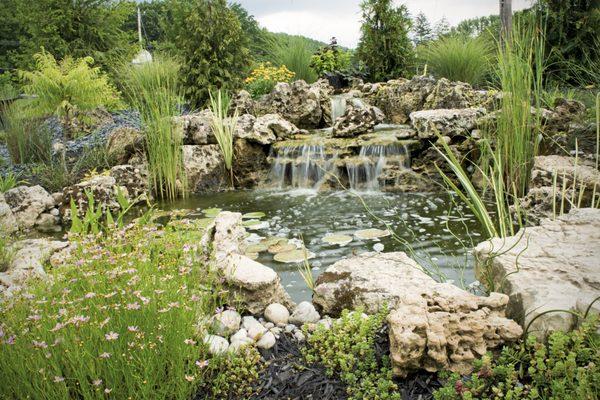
301	166
364	171
338	107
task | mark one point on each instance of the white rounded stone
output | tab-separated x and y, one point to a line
277	313
216	344
266	341
304	313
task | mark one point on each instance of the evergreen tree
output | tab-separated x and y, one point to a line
422	31
442	28
384	48
260	42
212	46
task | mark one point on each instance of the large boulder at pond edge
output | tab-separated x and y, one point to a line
358	118
130	181
446	122
257	285
435	326
28	204
554	266
204	167
8	222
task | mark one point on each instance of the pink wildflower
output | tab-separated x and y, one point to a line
111	336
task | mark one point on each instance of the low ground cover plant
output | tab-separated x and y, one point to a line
120	318
347	350
566	367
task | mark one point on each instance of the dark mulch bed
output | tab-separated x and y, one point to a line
287	376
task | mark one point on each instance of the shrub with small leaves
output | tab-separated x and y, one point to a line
566	368
347	349
232	376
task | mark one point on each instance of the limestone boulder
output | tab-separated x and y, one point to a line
196	128
553	266
27	203
398	98
297	102
243	102
446	122
204	167
251	163
450	95
124	142
8	222
435	326
29	259
255	284
271	127
358	118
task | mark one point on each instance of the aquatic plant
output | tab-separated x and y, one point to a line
459	58
120	317
224	127
153	89
67	88
565	367
348	349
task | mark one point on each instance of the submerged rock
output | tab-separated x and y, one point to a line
435	326
553	266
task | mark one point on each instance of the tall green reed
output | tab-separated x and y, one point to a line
153	89
296	56
224	127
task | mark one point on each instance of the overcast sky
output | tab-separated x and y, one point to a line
322	19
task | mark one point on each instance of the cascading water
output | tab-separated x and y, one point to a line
338	107
364	171
301	166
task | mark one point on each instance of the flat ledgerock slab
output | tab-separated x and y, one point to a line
554	266
432	326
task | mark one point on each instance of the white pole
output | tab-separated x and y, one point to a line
139	15
505	18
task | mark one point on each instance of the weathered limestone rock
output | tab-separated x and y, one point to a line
298	102
449	95
130	181
123	142
29	258
553	266
27	203
256	284
243	102
196	128
549	175
433	325
271	127
204	167
446	122
8	222
251	163
359	118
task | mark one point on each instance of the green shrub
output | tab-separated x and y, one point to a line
155	91
296	55
459	58
67	88
566	367
27	138
233	376
384	49
347	349
212	47
330	59
120	318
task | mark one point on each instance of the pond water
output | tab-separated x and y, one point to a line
430	227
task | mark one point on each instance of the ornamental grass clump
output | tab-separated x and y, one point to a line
154	89
224	127
120	318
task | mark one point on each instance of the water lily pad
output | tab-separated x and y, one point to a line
255	224
253	215
371	234
281	246
212	212
256	248
252	256
272	240
294	256
342	240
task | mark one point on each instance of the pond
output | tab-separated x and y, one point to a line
430	227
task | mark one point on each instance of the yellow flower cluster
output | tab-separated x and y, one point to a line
267	72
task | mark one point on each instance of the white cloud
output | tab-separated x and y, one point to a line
322	19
